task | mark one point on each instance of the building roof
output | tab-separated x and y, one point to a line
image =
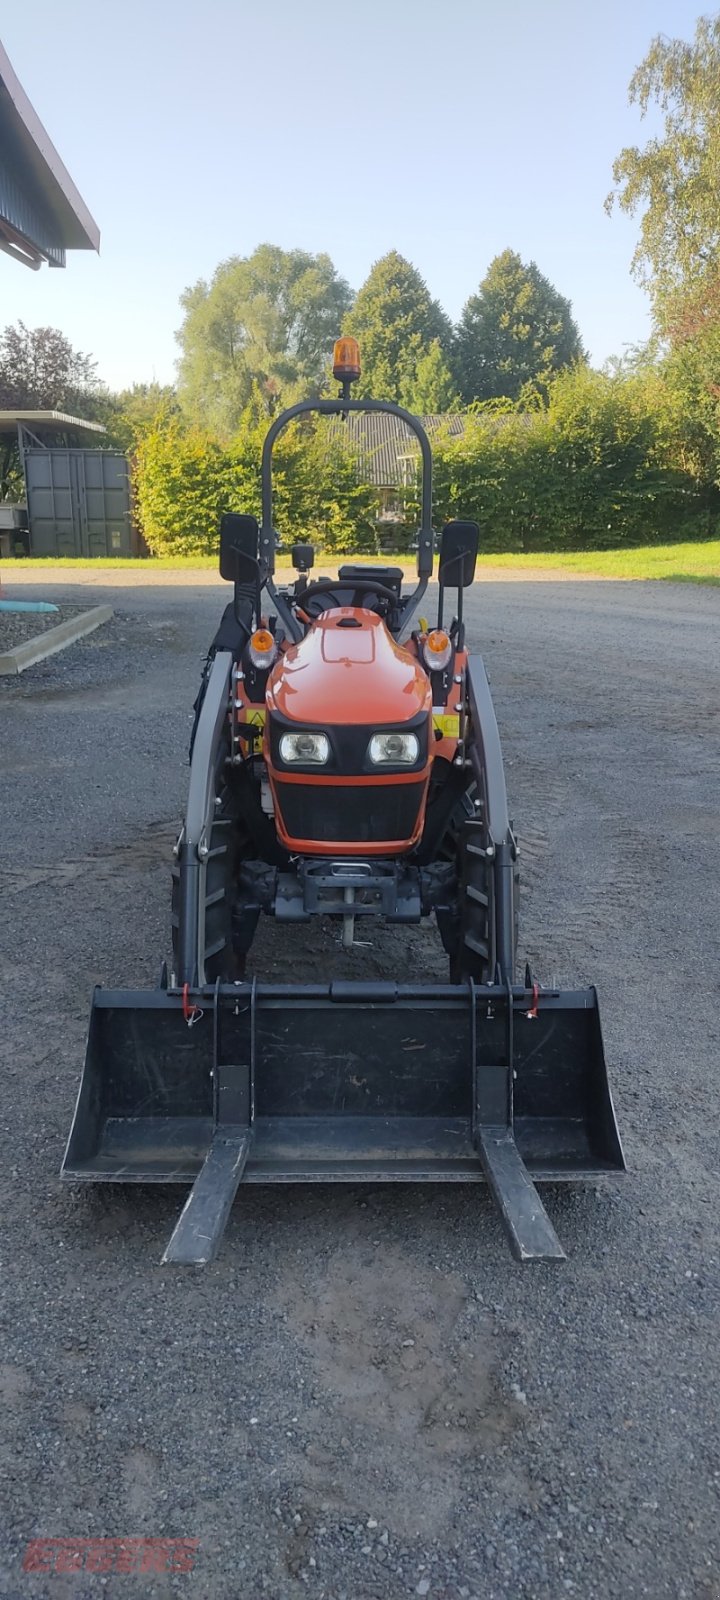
384	442
41	213
58	421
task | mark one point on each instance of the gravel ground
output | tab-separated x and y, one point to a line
364	1398
18	626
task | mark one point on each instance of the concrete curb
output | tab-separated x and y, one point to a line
54	639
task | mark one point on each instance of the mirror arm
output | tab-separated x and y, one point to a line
460	622
411	605
236	610
284	611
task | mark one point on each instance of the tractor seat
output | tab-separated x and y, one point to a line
390	577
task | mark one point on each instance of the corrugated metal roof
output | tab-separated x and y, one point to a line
41	213
384	442
59	420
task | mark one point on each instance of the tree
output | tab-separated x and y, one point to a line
396	322
40	371
131	413
518	330
433	389
674	180
692	373
675	176
267	320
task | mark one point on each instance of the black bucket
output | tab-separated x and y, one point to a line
347	1081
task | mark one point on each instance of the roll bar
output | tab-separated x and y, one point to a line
339	407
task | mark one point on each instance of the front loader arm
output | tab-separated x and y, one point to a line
485	754
192	846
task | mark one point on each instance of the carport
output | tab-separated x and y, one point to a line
41	213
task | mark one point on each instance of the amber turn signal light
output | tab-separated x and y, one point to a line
437	650
261	648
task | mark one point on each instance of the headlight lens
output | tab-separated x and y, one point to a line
308	748
394	749
437	650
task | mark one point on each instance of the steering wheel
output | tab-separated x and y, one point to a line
359	586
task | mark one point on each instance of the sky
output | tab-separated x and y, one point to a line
446	129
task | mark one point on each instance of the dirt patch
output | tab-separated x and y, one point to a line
103	866
406	1374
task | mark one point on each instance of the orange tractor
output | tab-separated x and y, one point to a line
346	764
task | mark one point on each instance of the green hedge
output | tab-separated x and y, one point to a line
184	480
600	468
606	464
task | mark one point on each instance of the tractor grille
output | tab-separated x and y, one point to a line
327	813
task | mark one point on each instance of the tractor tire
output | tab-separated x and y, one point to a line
474	953
468	934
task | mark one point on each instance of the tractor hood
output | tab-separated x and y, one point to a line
348	669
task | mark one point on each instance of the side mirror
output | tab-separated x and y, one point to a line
458	554
239	546
302	557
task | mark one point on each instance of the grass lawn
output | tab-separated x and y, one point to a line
675	563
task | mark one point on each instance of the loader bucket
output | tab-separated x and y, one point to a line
345	1082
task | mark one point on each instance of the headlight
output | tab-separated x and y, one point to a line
437	650
308	748
394	749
